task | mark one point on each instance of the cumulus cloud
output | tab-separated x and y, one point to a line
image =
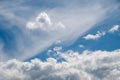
43	22
97	65
100	34
93	37
114	28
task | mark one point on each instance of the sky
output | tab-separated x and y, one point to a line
59	40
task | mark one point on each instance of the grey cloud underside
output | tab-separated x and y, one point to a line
98	65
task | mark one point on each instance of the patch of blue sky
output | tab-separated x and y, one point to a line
109	42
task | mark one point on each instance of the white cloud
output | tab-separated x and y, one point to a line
43	22
98	65
57	48
81	46
93	37
114	28
100	34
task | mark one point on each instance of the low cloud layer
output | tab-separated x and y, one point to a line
97	65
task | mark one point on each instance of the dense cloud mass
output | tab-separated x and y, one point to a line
97	65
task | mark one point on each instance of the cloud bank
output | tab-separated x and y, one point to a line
96	65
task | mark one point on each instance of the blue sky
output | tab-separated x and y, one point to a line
54	31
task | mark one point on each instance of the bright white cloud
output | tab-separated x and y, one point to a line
43	22
93	37
114	28
98	65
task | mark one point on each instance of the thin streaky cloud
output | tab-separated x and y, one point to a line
114	28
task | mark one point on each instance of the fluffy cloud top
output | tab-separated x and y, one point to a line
93	37
114	28
43	22
98	65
